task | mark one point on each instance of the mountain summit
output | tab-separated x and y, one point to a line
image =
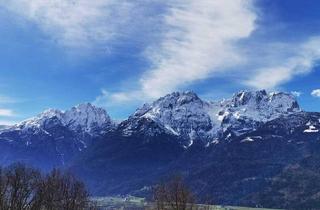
185	115
54	135
81	118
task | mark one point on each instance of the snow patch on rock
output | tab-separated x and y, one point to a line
311	129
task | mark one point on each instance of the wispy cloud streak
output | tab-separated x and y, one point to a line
6	113
304	57
72	23
199	40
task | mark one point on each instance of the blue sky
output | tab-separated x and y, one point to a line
119	54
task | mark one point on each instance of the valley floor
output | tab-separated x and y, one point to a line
135	203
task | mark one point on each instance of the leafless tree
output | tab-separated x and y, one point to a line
18	186
62	191
24	188
173	195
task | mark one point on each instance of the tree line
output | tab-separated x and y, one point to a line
26	188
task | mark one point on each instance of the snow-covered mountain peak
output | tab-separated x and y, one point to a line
84	107
246	97
185	115
40	120
49	113
81	118
85	116
285	101
260	98
177	99
176	102
182	114
260	105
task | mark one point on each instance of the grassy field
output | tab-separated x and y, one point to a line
135	203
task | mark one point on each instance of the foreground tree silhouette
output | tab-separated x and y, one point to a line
174	195
62	191
18	187
24	188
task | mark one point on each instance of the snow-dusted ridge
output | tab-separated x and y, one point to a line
185	115
81	118
57	135
262	106
181	114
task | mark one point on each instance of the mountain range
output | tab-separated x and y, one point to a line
54	137
240	150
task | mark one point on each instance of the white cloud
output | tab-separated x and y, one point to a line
6	100
4	123
6	113
196	39
296	93
303	59
316	93
199	40
78	23
108	99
